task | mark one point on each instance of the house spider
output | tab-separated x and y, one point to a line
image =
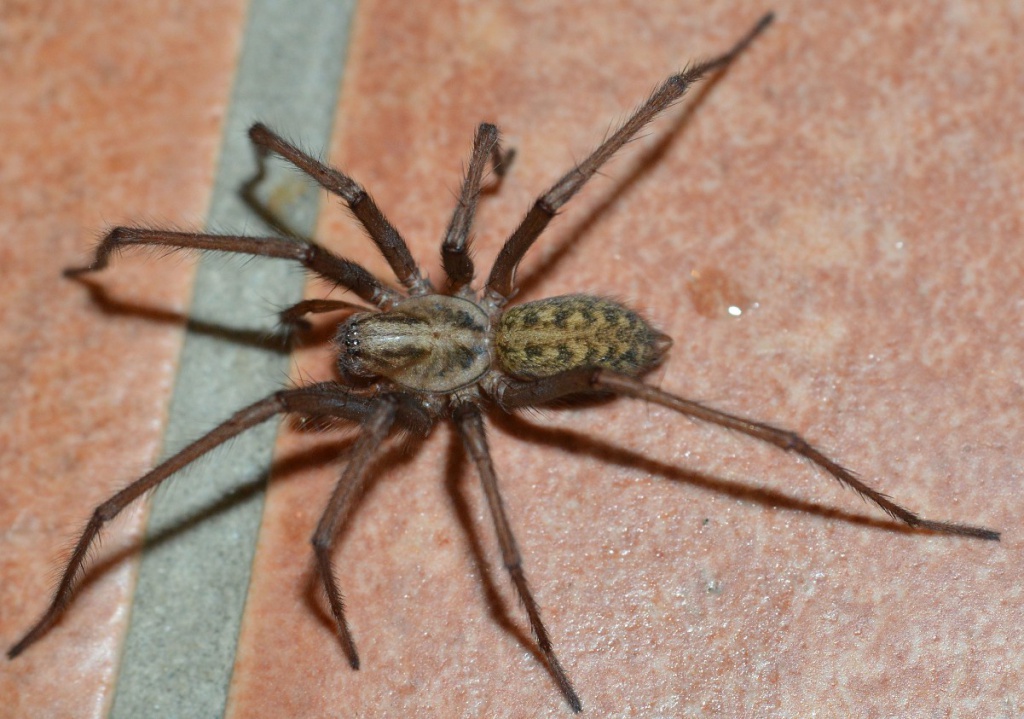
422	355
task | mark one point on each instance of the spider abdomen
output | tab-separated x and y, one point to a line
433	343
544	338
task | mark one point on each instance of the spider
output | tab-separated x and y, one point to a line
420	355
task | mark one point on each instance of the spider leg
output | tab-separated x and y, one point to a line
454	249
325	399
314	257
375	429
382	232
500	284
471	429
588	381
292	318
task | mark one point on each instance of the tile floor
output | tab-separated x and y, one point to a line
853	184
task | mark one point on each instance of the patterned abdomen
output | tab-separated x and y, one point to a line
543	338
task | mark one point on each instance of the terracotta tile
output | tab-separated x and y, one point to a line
111	115
852	185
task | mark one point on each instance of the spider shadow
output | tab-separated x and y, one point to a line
608	453
277	341
330	453
644	163
308	458
605	452
455	472
402	451
267	340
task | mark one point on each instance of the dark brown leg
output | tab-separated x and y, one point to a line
375	430
501	282
525	394
327	399
292	318
471	429
312	256
454	249
384	235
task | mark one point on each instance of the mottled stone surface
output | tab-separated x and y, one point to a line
855	179
851	188
111	115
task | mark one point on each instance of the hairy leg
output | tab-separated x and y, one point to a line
500	284
526	394
381	231
375	430
292	319
312	256
327	399
471	429
455	246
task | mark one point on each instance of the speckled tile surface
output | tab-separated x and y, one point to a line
852	184
111	114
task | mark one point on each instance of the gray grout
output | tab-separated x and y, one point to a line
194	576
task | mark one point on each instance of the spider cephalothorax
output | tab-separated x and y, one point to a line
419	356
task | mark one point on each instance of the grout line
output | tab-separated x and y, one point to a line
192	583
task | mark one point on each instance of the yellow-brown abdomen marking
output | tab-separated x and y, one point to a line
543	338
